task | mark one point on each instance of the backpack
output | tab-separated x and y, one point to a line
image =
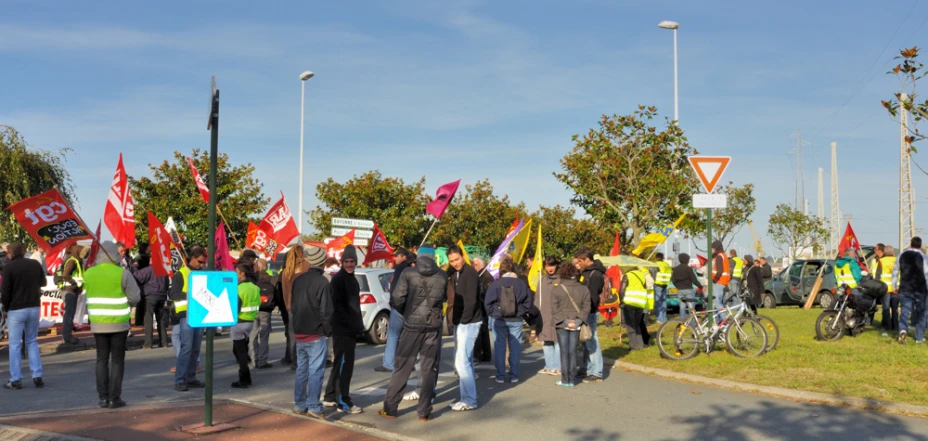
607	297
507	301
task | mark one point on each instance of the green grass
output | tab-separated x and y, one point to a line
868	366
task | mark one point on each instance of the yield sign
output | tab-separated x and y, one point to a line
709	169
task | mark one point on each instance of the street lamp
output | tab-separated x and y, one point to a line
673	26
303	77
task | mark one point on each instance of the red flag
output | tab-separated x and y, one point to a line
223	260
278	223
53	261
615	274
849	242
119	215
379	249
201	186
160	247
50	221
702	260
94	248
335	247
443	197
259	240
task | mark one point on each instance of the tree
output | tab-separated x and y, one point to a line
562	233
478	217
726	222
27	171
171	191
910	72
629	176
792	230
397	207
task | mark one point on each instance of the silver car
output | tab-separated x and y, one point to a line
375	302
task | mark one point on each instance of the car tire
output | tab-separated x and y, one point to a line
826	300
769	301
379	328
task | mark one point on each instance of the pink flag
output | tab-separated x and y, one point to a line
443	198
223	259
201	186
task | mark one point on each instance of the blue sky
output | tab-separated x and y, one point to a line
469	89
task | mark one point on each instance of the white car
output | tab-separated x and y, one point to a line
375	302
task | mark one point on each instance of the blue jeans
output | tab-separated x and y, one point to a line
190	342
660	302
24	321
310	370
592	353
464	338
911	303
511	332
718	299
685	307
175	339
394	329
552	351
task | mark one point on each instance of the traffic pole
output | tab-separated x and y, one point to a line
709	262
211	260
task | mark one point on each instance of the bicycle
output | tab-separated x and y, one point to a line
770	327
744	337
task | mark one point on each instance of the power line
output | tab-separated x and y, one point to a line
863	81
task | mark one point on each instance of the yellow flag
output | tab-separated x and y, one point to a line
534	273
464	252
520	242
654	239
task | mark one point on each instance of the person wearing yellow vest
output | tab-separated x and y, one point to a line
185	372
737	270
249	301
661	281
70	280
847	272
721	273
111	292
882	270
634	295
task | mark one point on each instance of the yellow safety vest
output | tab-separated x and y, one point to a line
250	296
106	303
663	274
886	276
739	267
77	275
845	277
181	305
636	294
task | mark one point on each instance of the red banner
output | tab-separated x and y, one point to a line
160	247
94	248
278	223
50	221
379	249
259	240
223	259
849	242
119	215
335	247
201	186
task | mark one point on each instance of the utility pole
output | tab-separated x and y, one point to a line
835	206
821	207
800	181
906	193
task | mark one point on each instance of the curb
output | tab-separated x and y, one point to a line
779	392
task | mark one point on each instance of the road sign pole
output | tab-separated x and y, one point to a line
709	262
211	265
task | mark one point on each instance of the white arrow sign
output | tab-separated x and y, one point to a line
219	308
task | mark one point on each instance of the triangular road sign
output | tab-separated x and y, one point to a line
709	169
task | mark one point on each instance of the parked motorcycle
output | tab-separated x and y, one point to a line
846	316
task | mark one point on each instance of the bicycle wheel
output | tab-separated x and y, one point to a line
773	331
746	338
678	340
829	326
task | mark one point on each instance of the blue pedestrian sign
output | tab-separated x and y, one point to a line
212	298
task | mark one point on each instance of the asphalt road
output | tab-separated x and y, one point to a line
626	406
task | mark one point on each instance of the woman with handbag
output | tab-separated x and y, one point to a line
570	305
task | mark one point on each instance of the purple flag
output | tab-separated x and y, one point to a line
443	198
223	259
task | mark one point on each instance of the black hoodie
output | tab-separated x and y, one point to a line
346	299
593	277
420	294
683	277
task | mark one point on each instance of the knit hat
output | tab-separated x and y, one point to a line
427	249
248	255
350	253
315	256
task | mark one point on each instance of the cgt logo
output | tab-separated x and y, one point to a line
46	213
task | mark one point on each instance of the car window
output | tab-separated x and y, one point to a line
829	269
385	281
795	270
362	281
811	269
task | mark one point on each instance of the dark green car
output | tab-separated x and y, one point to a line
793	285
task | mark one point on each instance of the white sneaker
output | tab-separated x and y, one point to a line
329	404
354	410
412	396
462	407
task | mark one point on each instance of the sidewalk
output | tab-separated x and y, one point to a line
163	422
51	342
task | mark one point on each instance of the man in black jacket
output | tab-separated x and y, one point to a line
467	316
483	350
155	294
592	274
395	327
21	297
261	334
346	326
910	280
311	312
419	296
684	279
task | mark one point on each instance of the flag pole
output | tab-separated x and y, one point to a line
218	210
428	232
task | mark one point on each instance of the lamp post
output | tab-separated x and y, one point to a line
676	114
303	77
